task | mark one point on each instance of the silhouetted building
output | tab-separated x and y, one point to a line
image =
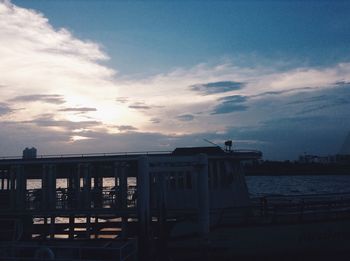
29	153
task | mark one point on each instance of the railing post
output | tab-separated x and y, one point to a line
143	206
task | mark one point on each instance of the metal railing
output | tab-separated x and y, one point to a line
106	197
84	155
287	209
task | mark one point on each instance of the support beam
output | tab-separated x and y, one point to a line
97	195
48	191
85	173
12	187
162	215
20	186
203	196
121	192
52	227
143	206
123	185
71	226
51	193
2	181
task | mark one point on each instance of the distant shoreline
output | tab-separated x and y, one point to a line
255	174
277	168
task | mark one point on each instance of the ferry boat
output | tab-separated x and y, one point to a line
188	204
244	227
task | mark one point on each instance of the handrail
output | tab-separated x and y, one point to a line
70	155
302	195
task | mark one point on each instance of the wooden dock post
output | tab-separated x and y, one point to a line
143	206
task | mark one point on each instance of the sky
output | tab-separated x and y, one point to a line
112	76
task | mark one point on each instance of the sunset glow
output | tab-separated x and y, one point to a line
117	85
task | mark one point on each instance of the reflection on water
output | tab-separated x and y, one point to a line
297	185
263	185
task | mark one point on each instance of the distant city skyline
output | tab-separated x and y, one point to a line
109	76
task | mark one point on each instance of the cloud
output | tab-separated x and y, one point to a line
321	101
139	106
234	103
122	99
51	66
234	99
4	109
126	128
155	120
343	83
143	106
49	121
292	90
331	104
78	109
50	98
298	120
217	87
185	117
311	99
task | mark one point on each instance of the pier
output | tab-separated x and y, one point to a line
115	206
115	199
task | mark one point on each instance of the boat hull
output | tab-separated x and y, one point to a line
321	238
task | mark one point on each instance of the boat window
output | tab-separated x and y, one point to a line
188	180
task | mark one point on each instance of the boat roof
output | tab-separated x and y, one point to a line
187	151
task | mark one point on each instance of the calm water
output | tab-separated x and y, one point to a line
269	185
296	185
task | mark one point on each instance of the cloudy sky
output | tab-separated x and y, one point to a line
110	76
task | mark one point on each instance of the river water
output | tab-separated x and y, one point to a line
268	185
298	185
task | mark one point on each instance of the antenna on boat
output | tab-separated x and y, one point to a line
228	145
211	143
